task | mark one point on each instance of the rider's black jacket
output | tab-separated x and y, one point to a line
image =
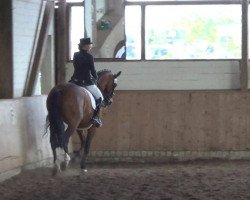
84	68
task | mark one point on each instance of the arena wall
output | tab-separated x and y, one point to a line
173	75
22	126
165	125
176	109
150	119
176	121
139	126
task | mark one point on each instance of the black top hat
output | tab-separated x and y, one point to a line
84	41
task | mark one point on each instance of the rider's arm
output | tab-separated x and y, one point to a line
92	67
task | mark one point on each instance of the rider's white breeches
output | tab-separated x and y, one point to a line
94	90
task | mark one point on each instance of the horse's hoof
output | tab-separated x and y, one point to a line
83	171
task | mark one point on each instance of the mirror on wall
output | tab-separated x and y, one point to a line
104	24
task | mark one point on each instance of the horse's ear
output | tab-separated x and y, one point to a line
118	74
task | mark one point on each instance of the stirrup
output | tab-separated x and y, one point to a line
96	122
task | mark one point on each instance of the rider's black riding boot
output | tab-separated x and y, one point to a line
96	120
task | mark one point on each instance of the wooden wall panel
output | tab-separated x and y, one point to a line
176	121
173	75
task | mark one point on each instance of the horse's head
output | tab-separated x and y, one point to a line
107	82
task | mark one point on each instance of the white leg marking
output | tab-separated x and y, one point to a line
66	157
83	171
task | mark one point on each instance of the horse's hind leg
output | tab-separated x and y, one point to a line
89	138
56	165
69	131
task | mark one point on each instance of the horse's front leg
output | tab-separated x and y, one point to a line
77	153
83	140
90	135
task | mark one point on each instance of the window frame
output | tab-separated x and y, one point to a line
143	5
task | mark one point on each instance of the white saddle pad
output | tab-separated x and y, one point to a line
91	98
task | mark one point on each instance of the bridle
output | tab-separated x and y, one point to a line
108	95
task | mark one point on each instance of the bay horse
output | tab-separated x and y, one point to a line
70	104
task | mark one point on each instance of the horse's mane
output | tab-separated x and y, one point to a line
103	71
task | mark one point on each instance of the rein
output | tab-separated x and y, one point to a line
106	95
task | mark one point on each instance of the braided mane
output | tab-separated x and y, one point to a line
103	71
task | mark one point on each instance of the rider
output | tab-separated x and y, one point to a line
85	75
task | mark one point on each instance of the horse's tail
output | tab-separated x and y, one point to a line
55	119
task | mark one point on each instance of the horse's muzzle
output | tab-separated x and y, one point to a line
108	102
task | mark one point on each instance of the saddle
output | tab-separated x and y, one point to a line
77	82
83	86
93	101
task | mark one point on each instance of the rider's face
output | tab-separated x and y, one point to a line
87	47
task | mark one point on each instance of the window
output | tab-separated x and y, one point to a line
76	25
146	0
74	1
178	30
133	32
77	28
173	29
193	32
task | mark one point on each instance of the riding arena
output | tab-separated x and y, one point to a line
175	110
